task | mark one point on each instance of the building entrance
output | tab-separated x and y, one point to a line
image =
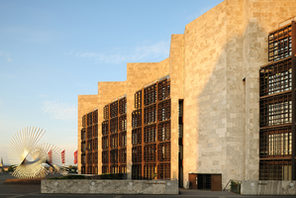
205	181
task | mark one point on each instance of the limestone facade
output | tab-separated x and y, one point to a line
214	67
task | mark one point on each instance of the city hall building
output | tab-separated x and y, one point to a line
220	107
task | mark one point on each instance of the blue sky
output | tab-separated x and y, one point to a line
52	51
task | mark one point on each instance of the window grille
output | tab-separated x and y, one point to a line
150	95
164	131
151	136
106	112
163	89
136	136
138	100
276	77
122	106
280	43
164	170
114	109
276	107
149	133
114	137
150	114
136	118
276	110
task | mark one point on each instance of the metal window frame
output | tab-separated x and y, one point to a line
277	106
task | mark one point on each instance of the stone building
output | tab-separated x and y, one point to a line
193	116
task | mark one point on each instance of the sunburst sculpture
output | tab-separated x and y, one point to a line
30	156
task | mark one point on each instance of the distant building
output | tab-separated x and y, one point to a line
203	115
1	165
3	168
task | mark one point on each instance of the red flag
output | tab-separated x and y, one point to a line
75	157
63	156
50	156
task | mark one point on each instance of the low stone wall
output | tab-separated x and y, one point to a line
268	187
84	186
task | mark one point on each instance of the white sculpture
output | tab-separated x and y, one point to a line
31	157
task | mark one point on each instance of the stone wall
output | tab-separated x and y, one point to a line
177	78
268	187
205	93
80	186
224	49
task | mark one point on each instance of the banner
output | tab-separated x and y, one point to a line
75	157
50	156
63	156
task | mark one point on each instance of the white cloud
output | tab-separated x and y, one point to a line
6	56
139	53
43	96
60	110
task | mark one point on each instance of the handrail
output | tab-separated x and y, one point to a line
224	189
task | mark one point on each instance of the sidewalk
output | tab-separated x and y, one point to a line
205	193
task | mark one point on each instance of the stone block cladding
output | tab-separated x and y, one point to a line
213	69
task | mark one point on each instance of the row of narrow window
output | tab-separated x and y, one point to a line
280	44
151	132
89	143
276	108
114	137
276	78
276	144
90	158
276	111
